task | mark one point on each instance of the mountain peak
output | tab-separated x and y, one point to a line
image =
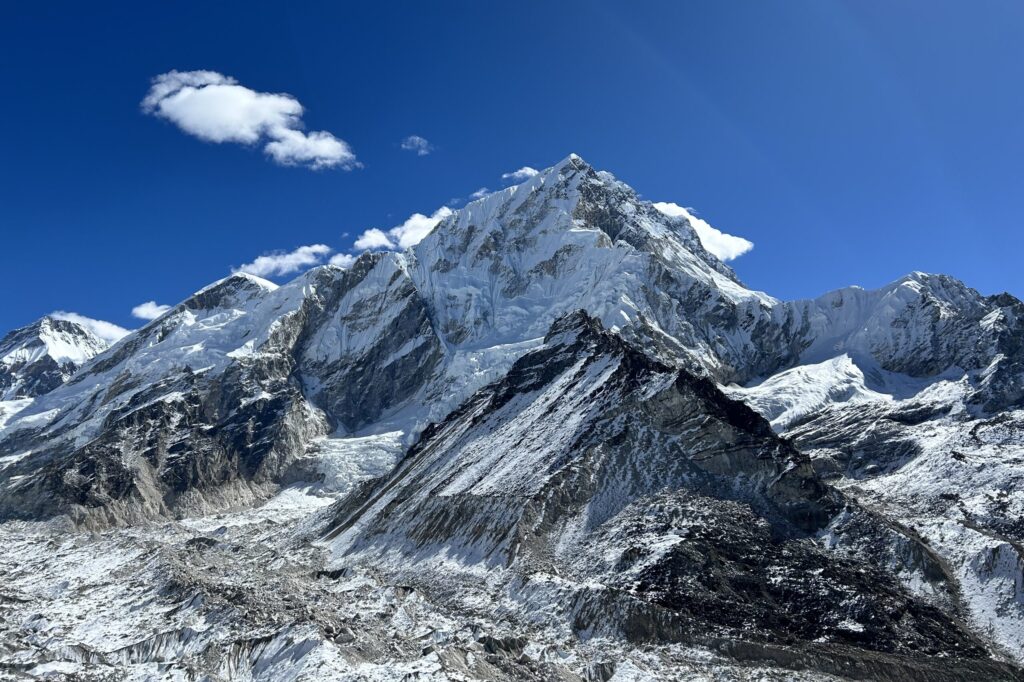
40	356
234	289
53	333
574	161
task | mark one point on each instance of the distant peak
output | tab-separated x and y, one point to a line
263	283
929	280
50	322
236	279
574	161
46	323
234	288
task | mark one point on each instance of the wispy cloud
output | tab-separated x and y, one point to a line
724	246
286	262
524	173
108	331
480	193
215	108
150	310
409	233
420	145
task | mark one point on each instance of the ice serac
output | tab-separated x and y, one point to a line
40	357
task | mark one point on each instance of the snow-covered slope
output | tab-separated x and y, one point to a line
920	420
793	394
401	339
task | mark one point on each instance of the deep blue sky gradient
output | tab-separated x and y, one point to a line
851	142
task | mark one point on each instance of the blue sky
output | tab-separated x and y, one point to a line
850	142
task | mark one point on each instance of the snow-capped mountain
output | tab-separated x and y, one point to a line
36	359
557	417
40	357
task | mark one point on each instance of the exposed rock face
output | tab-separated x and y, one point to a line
582	425
371	345
608	441
400	340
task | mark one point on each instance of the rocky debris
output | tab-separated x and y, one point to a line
130	604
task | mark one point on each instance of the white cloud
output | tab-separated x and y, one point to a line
285	262
108	331
215	108
316	150
724	246
480	193
417	226
373	239
524	173
342	260
150	310
420	145
411	232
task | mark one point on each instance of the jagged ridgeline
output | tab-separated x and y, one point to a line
556	439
